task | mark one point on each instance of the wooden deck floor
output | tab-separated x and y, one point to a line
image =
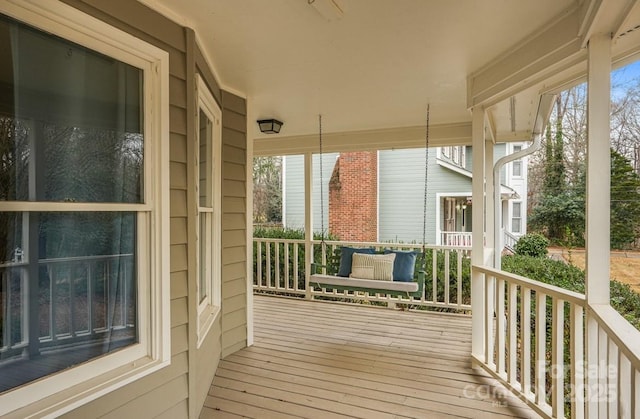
327	360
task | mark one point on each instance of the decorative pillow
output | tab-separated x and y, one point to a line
372	266
404	266
346	255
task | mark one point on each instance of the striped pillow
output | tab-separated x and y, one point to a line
366	266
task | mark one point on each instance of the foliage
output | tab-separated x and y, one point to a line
625	211
532	244
267	189
557	179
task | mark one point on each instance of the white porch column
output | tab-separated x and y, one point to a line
490	209
308	219
478	236
598	170
598	198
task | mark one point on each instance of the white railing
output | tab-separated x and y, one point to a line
455	238
78	299
509	240
536	340
280	267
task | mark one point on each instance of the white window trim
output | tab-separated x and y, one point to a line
519	161
69	389
209	308
513	217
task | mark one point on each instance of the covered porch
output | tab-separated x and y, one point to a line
323	360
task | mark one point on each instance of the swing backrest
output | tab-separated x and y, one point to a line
336	263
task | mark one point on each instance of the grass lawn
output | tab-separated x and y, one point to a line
625	266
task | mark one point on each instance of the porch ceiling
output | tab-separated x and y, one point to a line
379	64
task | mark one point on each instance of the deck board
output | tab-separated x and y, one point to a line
322	360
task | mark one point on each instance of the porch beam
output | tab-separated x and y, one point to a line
381	139
551	49
598	170
603	16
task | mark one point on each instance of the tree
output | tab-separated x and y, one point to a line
267	189
625	200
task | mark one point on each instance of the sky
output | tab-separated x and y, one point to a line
626	76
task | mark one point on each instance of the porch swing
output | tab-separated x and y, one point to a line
392	272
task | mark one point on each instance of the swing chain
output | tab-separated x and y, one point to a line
426	178
321	186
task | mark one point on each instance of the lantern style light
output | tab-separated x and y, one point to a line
269	126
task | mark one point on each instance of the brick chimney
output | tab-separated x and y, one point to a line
353	197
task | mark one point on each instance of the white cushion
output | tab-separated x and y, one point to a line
378	267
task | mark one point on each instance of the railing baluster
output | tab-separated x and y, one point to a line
500	327
624	386
489	320
287	278
603	381
513	334
447	276
276	263
268	255
259	263
612	379
541	337
525	333
295	267
635	392
434	276
577	360
557	358
460	278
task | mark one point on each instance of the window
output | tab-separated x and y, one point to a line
517	164
516	217
83	219
209	174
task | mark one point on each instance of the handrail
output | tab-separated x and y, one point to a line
548	289
619	330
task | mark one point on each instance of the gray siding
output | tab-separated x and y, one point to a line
234	224
401	194
294	190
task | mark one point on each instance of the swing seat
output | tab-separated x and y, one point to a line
407	284
372	286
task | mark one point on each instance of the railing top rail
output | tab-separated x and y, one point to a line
552	290
266	239
618	329
395	245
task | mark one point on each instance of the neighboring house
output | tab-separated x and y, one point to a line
386	189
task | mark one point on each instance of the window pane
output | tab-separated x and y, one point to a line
205	256
206	169
515	225
81	270
72	132
517	168
516	209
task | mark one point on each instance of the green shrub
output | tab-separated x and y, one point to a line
532	244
